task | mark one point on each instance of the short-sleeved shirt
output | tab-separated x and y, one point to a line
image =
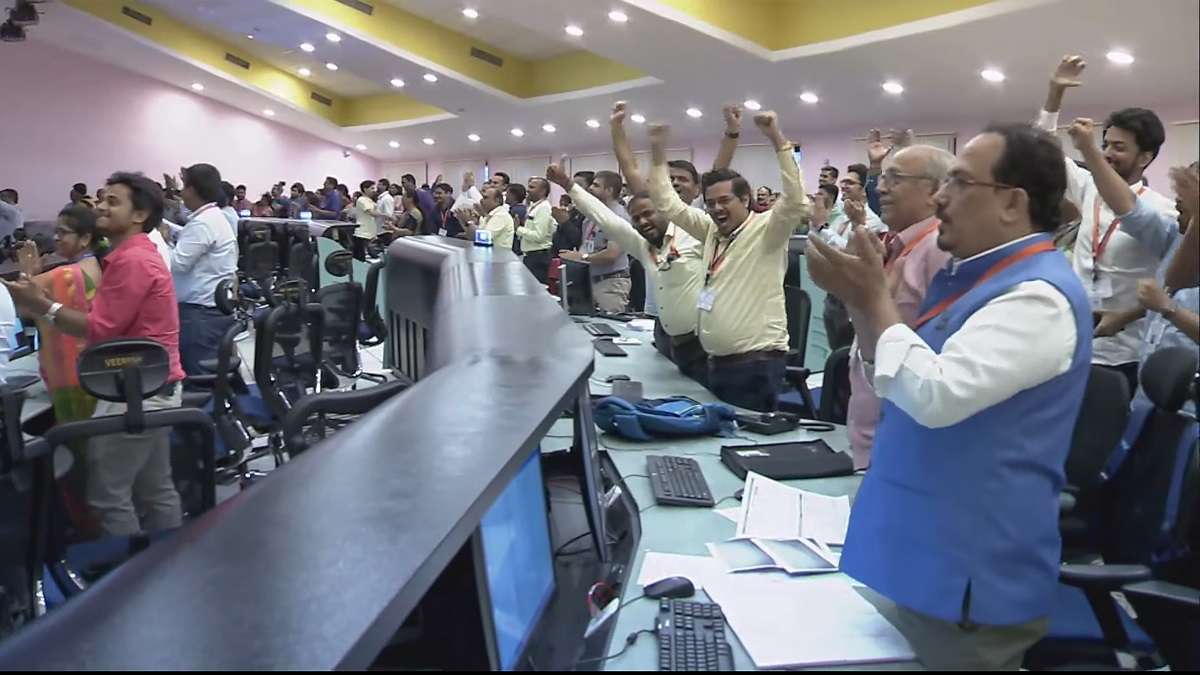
599	241
367	228
136	299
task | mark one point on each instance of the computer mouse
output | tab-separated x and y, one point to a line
613	378
671	587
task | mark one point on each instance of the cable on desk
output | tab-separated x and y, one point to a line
629	640
723	500
570	541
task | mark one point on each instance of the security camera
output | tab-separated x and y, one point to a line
346	153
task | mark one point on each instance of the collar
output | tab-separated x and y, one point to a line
954	264
202	209
908	234
498	209
140	240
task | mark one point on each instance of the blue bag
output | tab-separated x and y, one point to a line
663	417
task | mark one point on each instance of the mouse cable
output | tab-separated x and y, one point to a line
629	640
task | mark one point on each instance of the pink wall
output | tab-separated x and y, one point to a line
67	119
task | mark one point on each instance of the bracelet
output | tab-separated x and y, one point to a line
732	134
52	313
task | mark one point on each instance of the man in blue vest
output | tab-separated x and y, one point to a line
956	524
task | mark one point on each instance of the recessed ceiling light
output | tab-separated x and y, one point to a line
333	37
517	132
893	87
992	75
638	118
268	112
305	72
694	112
430	77
809	97
249	36
618	16
428	141
196	86
331	65
397	82
474	138
751	104
573	30
308	47
1119	57
360	147
470	13
595	124
393	144
549	128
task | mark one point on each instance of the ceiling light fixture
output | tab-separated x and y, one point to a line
397	82
331	66
268	112
809	97
196	86
304	72
249	36
393	144
308	47
617	16
517	132
573	30
360	147
430	77
992	75
549	128
333	37
474	138
428	141
1119	57
638	118
751	104
694	113
471	13
595	124
893	87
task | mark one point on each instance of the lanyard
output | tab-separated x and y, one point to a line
672	254
1006	262
719	258
930	229
1099	245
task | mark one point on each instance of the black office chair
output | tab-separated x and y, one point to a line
1142	534
345	306
258	262
1101	424
20	551
373	330
1170	615
301	254
299	431
799	315
835	389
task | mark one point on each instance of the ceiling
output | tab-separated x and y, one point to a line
662	60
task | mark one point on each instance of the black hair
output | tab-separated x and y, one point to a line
330	179
365	184
541	180
686	166
640	194
831	169
1146	127
16	196
741	187
503	175
81	220
517	190
859	170
610	180
589	175
408	178
1032	161
81	188
444	187
384	182
342	188
145	195
300	187
205	181
831	190
240	187
229	191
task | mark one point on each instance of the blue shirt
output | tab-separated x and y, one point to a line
205	253
332	202
11	218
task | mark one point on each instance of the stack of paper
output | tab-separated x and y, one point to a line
772	510
798	556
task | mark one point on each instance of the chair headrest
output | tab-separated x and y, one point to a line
1167	377
102	368
227	296
340	263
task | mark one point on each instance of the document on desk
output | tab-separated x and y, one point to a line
805	621
701	570
797	556
772	510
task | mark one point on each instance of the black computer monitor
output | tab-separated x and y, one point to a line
591	480
514	566
575	288
22	342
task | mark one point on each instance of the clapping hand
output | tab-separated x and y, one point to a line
854	276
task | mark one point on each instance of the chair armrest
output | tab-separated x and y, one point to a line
1066	503
1186	597
1102	577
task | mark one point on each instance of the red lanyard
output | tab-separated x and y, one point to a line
1003	264
929	229
1099	245
719	258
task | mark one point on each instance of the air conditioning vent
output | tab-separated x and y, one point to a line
136	15
323	100
359	5
237	61
487	56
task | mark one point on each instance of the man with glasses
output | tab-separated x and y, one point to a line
907	192
956	523
852	211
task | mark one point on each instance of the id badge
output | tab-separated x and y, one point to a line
1158	326
442	232
706	299
589	246
1100	290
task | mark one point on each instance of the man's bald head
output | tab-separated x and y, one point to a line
906	192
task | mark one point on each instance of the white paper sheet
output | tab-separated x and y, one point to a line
732	513
701	570
772	510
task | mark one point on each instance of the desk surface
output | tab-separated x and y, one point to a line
684	530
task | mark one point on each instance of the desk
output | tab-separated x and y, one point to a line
684	530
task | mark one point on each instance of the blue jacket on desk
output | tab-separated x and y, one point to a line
961	522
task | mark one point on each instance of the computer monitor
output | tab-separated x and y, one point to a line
590	478
22	342
515	566
575	288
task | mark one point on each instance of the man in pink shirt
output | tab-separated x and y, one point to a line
906	190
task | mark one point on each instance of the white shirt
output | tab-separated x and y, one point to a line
1112	281
367	228
161	244
987	361
838	232
538	231
205	253
386	206
8	327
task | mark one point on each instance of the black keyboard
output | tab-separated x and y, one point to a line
691	636
601	330
677	481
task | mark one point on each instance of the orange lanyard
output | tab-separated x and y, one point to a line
1003	264
929	229
719	258
1099	245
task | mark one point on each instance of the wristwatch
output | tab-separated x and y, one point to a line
52	313
1171	310
584	257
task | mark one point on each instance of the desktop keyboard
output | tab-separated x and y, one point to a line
677	481
691	636
601	330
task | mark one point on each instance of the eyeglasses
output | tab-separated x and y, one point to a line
892	177
958	183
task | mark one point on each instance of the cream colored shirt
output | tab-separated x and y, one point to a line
676	272
368	226
748	312
538	230
500	223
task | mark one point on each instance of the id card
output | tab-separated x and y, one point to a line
442	232
589	246
1100	290
707	297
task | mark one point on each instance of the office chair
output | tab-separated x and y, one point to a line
835	389
1101	424
259	260
301	254
799	315
1170	614
373	330
20	552
344	306
299	435
1146	531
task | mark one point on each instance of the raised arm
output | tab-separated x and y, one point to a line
616	228
793	204
1067	75
1184	270
694	221
625	158
729	142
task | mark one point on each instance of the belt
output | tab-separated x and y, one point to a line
747	357
540	250
677	340
199	306
612	275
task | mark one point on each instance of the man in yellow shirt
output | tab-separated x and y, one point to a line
538	231
741	317
492	215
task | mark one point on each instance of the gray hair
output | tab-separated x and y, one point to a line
937	161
